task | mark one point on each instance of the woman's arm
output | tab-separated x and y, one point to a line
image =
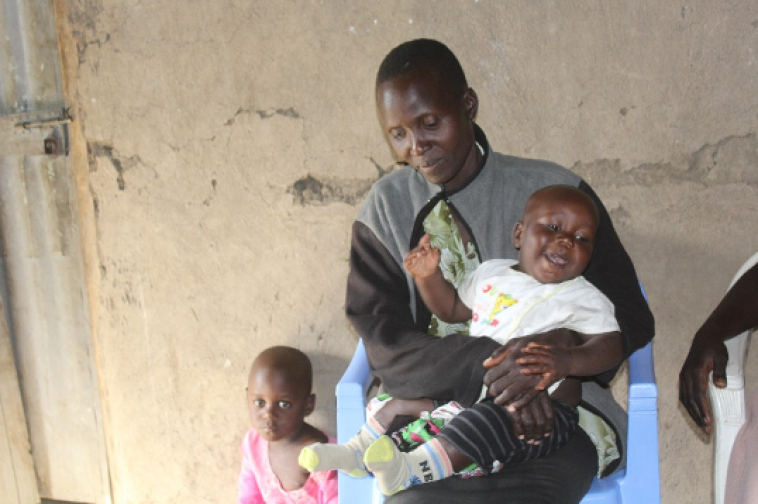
410	362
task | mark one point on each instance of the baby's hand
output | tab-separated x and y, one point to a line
552	362
423	260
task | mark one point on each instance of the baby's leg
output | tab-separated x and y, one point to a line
481	434
348	457
484	433
396	471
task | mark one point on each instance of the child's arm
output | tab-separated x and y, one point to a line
440	296
597	353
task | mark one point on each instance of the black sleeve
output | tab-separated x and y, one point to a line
410	362
611	270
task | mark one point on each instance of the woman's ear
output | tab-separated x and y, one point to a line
471	102
518	230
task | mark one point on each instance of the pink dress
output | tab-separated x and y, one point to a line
259	485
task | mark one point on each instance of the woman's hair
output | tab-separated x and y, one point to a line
419	54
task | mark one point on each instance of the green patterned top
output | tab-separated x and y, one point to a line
457	260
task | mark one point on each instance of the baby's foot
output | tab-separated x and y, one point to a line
384	460
326	457
396	471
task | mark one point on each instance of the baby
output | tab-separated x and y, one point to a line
279	397
504	299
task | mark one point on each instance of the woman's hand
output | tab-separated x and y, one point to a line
533	422
505	380
706	355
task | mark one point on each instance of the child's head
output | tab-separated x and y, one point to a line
557	233
279	392
426	111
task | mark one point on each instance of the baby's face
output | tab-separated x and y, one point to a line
555	239
278	405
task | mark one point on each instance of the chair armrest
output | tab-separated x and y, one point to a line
351	395
642	480
351	415
643	390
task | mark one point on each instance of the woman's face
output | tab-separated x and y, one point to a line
430	127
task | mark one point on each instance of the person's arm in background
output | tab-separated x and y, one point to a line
736	313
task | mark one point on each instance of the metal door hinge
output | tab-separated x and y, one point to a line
36	133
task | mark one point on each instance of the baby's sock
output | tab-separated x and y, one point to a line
396	471
346	457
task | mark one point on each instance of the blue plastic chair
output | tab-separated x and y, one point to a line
638	482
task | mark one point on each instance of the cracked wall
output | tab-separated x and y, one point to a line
230	144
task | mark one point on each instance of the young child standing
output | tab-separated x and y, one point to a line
504	299
279	397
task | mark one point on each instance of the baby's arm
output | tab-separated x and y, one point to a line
597	353
440	296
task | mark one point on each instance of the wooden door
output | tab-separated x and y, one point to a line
47	358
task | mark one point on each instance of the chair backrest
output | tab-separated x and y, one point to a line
728	404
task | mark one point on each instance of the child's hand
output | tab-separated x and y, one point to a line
552	362
423	260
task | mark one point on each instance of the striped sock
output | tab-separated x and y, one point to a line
396	471
347	457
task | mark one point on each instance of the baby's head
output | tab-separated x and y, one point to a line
279	392
557	233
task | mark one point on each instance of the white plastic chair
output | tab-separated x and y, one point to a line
728	404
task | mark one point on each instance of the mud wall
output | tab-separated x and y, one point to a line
230	144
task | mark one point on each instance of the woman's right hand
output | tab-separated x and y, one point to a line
534	421
707	354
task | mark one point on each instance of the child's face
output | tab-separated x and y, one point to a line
429	126
278	404
555	239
